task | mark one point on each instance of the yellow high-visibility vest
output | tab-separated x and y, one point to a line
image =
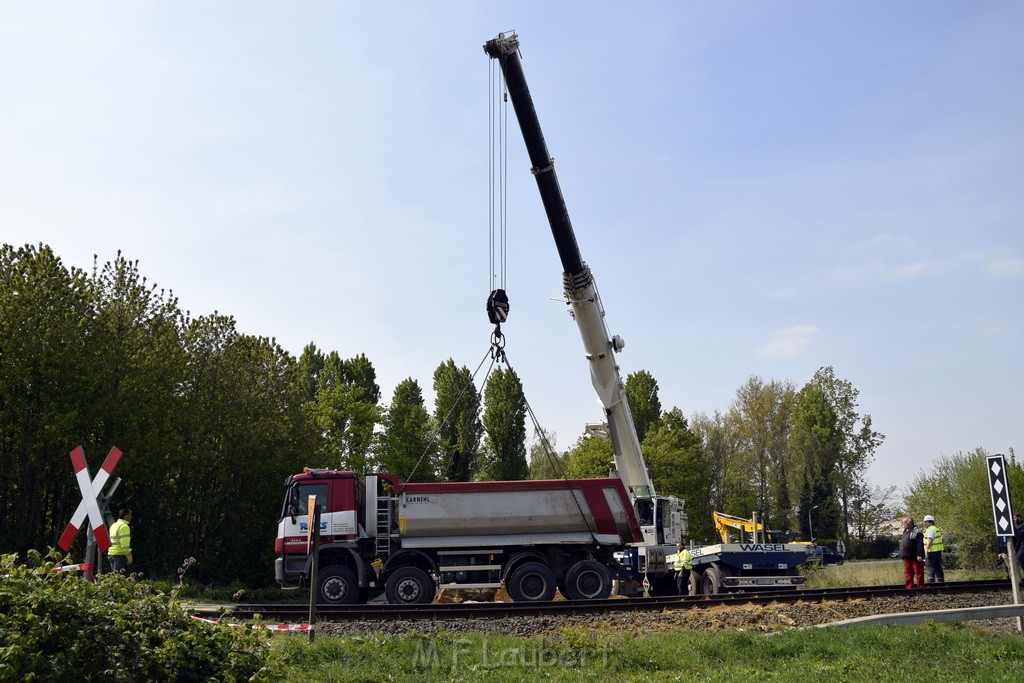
120	538
684	560
937	543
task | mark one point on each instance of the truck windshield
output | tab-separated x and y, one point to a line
645	511
298	498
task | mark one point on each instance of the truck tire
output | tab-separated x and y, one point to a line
337	586
695	581
711	581
588	580
531	582
409	586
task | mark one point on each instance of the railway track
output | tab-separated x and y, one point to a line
381	612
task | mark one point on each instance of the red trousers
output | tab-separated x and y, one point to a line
913	570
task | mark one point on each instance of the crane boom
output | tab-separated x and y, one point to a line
580	288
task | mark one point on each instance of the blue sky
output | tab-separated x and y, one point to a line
761	188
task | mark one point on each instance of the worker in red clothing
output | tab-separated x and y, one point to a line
912	552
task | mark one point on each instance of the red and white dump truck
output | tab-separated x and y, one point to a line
413	538
575	535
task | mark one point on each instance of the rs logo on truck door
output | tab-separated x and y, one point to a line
304	526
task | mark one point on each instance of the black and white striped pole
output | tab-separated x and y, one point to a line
1002	514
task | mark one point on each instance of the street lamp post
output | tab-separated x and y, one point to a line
810	524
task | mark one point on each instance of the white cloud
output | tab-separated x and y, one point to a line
790	342
929	266
1011	267
913	270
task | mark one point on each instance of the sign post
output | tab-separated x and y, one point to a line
1002	514
314	527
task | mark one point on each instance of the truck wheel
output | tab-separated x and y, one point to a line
338	586
695	581
531	582
710	582
588	580
409	586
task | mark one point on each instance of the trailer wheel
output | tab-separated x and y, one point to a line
338	586
409	586
588	580
711	581
695	581
531	582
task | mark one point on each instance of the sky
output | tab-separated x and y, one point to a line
760	188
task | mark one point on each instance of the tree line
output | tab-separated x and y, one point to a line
212	420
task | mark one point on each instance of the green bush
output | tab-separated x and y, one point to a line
57	626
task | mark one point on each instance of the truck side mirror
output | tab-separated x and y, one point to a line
291	512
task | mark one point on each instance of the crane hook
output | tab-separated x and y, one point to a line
497	306
498	345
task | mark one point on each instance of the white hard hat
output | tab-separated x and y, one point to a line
929	518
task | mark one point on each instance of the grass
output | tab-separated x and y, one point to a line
939	652
934	652
879	573
235	594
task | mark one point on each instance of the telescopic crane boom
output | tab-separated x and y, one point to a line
585	304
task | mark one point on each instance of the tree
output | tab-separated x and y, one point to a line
311	364
815	439
405	445
48	383
545	461
644	404
457	414
761	417
592	456
242	431
878	505
346	408
504	422
139	332
678	467
728	481
857	442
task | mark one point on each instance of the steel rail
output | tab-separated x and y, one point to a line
493	610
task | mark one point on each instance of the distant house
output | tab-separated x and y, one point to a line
892	527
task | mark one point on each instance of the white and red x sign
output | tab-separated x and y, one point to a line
91	489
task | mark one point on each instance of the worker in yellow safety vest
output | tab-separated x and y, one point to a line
683	565
933	547
120	553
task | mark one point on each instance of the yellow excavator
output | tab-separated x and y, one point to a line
748	530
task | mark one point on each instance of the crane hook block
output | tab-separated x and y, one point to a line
497	307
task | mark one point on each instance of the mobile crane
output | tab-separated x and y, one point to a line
579	536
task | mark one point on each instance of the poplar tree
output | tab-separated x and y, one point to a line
504	422
457	415
405	445
644	404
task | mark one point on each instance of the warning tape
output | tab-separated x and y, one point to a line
275	628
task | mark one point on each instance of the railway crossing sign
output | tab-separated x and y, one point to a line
1000	490
92	495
